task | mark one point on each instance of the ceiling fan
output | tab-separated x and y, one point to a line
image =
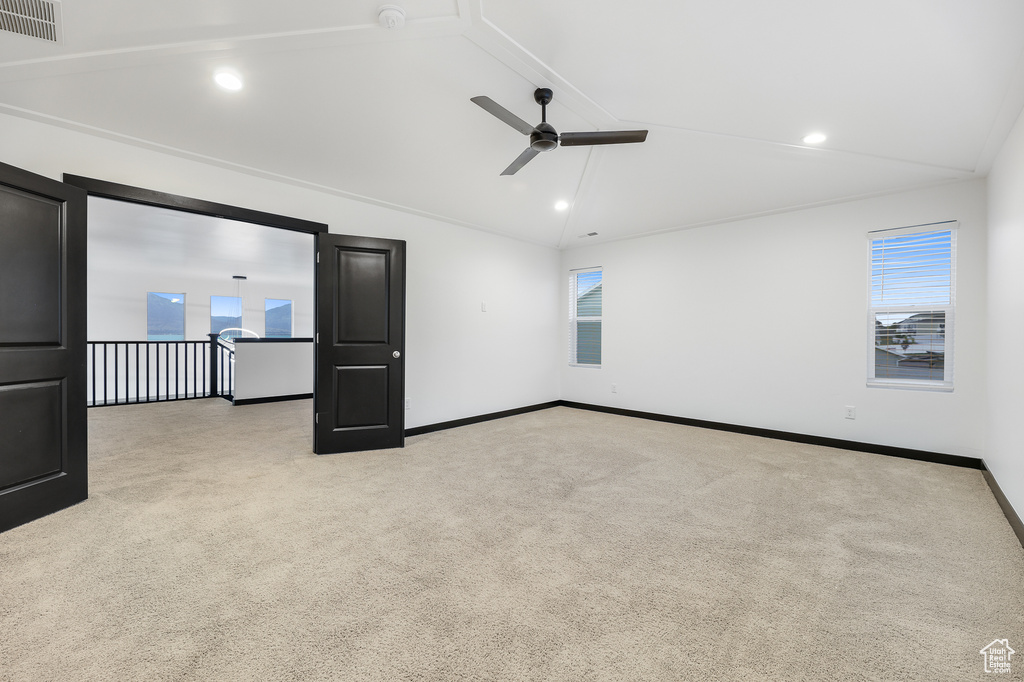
543	137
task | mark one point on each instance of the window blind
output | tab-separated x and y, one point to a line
910	320
912	269
586	292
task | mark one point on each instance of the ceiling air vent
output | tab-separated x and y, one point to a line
34	18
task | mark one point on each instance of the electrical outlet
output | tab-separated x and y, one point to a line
615	388
408	403
483	306
851	412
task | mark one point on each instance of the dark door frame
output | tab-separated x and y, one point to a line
138	195
148	197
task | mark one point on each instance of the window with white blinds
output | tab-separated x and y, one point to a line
585	314
911	309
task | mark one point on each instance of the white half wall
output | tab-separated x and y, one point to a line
1005	457
763	323
460	361
270	369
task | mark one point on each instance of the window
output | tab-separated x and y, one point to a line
226	313
278	318
910	319
585	307
165	317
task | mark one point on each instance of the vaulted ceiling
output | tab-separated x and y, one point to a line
910	93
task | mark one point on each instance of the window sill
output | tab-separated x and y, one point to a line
934	386
573	364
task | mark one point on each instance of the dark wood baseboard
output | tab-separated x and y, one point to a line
857	446
272	399
1008	511
441	426
892	451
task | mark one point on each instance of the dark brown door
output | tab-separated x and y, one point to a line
43	427
360	350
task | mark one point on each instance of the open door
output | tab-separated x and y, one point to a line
43	422
360	364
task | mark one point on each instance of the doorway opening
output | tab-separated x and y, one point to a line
182	305
159	266
359	321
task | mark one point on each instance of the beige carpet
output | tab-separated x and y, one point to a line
558	545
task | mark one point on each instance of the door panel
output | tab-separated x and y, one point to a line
43	428
361	396
360	352
30	305
34	449
362	293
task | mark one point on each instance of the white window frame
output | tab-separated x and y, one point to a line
574	318
949	310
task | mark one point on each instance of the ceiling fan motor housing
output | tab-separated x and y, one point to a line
543	138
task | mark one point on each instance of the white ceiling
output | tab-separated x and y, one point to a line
911	93
126	237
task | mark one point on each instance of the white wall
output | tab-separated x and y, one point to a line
1005	457
762	323
136	249
460	361
778	301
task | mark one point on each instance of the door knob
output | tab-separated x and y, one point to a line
396	354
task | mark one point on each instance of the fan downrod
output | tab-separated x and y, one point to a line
544	138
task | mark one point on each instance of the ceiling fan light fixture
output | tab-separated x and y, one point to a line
544	138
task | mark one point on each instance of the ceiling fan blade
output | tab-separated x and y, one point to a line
602	137
495	109
520	161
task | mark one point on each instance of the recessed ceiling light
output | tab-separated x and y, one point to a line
228	79
561	205
815	138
